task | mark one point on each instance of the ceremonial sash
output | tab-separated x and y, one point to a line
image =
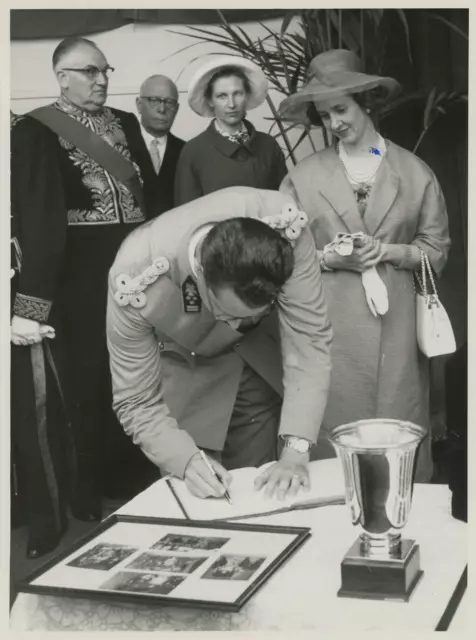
92	144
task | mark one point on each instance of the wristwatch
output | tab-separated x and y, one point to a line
301	445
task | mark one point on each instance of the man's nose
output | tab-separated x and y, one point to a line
231	101
161	107
102	79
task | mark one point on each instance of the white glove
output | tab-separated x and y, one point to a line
375	292
24	331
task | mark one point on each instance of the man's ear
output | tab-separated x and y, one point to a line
62	78
139	104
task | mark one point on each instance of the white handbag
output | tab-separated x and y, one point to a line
435	335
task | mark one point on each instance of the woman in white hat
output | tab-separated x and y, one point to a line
366	185
230	152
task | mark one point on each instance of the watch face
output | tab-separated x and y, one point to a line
302	446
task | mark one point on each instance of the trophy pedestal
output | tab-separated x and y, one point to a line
391	577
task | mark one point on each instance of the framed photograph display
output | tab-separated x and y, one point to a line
190	563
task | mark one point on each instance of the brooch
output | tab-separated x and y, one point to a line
131	290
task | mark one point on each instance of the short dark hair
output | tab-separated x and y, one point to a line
371	101
248	256
226	72
67	45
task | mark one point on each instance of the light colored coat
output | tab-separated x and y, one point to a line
174	369
377	369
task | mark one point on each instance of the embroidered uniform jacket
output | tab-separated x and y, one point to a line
38	210
93	195
100	212
176	374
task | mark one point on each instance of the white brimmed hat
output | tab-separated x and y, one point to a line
199	83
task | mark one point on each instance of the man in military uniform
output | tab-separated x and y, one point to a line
99	149
195	301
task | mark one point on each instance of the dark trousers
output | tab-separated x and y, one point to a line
253	431
109	464
38	442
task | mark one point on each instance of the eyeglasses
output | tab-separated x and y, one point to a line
220	313
154	101
91	72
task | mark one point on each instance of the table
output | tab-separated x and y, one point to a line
301	595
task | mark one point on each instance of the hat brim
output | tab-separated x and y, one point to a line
294	108
198	84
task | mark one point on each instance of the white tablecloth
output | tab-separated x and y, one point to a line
301	595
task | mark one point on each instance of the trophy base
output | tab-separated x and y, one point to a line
386	578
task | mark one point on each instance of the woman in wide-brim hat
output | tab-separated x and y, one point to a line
230	151
364	184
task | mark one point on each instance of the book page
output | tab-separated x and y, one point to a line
326	481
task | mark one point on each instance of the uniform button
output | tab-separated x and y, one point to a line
192	353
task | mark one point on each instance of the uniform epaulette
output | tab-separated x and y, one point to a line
131	290
290	222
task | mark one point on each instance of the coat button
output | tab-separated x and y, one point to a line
192	353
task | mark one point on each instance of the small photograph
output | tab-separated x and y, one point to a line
142	582
228	567
168	564
184	543
102	556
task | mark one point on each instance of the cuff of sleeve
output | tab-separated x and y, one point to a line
411	257
175	462
31	308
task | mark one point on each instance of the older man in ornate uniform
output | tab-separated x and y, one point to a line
219	339
99	149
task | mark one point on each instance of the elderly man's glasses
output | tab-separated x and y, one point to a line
167	103
91	72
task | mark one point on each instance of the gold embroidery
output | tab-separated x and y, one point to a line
32	308
112	201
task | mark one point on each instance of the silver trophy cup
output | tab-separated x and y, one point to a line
378	459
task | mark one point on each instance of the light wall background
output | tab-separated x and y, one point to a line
137	51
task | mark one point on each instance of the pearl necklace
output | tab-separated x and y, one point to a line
362	171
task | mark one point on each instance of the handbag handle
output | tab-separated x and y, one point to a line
426	268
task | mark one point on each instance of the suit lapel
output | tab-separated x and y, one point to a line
383	193
335	188
166	158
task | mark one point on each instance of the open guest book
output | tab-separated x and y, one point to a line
327	488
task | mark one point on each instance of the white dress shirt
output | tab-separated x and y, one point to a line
161	142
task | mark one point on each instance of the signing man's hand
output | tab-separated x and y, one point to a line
201	482
285	477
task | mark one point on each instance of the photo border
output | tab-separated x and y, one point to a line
301	535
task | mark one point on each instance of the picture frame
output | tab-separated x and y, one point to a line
188	563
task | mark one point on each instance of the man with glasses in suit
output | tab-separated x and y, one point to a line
158	105
100	151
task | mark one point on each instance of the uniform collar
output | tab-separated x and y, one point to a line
71	109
